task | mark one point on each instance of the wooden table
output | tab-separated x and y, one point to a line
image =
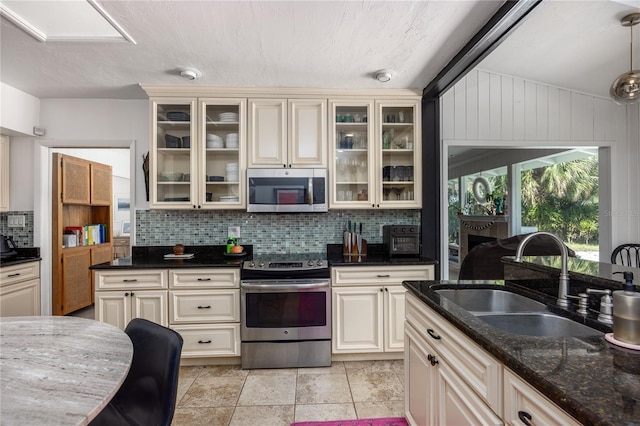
59	370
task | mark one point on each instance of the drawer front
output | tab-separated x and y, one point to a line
209	340
205	278
204	306
21	272
522	400
380	275
147	279
480	370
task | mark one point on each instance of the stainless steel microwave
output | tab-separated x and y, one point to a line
287	190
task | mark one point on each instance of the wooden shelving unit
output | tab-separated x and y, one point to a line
82	195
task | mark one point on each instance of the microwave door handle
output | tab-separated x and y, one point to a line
310	191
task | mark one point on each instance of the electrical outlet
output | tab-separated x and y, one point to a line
381	229
234	231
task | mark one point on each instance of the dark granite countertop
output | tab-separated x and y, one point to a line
594	381
23	255
213	257
153	257
375	257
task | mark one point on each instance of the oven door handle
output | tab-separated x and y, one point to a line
292	286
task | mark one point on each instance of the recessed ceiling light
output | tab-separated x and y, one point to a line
384	75
190	73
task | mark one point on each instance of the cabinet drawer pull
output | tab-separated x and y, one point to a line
13	275
383	276
433	334
204	341
132	280
204	307
525	418
204	279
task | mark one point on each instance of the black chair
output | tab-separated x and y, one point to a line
148	394
627	255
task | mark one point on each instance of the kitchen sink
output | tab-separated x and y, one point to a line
538	324
490	300
514	313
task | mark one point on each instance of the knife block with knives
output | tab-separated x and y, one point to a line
353	244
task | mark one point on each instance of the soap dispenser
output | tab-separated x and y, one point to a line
626	312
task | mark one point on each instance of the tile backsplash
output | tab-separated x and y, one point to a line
268	232
23	237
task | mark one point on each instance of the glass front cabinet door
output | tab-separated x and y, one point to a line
398	156
351	162
172	161
197	153
375	161
222	153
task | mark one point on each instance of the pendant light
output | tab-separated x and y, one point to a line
626	88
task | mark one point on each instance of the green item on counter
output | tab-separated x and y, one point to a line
230	243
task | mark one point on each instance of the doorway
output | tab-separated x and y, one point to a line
43	157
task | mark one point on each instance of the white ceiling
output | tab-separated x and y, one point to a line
326	44
578	45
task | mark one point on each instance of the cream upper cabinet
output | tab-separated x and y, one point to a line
352	175
287	133
4	173
221	169
172	156
197	153
398	154
376	154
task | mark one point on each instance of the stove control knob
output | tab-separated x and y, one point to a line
261	264
320	263
252	264
310	262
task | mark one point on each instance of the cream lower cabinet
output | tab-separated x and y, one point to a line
123	295
368	307
204	307
449	379
523	403
20	290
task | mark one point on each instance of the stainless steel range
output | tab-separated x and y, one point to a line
285	312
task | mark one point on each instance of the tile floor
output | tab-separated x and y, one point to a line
228	395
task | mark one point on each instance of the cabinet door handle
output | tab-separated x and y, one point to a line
204	307
204	341
133	280
525	418
126	294
384	276
13	275
433	334
432	359
204	279
386	289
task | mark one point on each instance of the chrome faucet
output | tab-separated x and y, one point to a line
563	289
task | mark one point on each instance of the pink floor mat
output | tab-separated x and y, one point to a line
387	421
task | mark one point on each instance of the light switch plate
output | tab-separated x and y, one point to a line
234	231
16	221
